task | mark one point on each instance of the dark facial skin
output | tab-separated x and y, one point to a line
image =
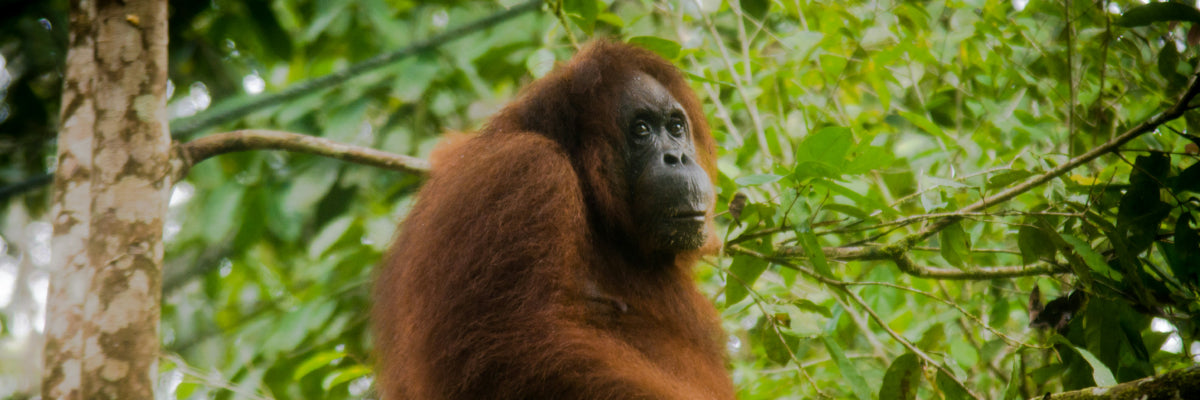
671	192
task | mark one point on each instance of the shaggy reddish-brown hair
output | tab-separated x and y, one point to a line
514	277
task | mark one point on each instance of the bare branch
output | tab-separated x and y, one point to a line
191	153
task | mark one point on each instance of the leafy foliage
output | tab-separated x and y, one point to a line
843	125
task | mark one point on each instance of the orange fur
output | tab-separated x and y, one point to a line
513	276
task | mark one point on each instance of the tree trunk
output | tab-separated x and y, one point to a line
111	192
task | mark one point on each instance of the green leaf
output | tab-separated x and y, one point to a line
758	179
185	390
540	62
309	187
611	19
1133	337
1034	245
832	65
868	158
345	122
328	236
316	361
950	388
808	305
1007	178
778	346
849	371
926	125
1187	250
296	325
1189	179
848	210
829	145
936	182
880	85
413	77
666	48
1168	58
324	15
902	378
222	211
745	270
956	244
933	338
1012	391
584	13
1094	260
964	353
812	249
756	9
699	78
1168	64
1100	373
344	375
1142	209
862	201
269	35
1158	12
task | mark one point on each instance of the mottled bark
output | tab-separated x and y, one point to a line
111	193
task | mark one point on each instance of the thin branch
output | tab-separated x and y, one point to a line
191	153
